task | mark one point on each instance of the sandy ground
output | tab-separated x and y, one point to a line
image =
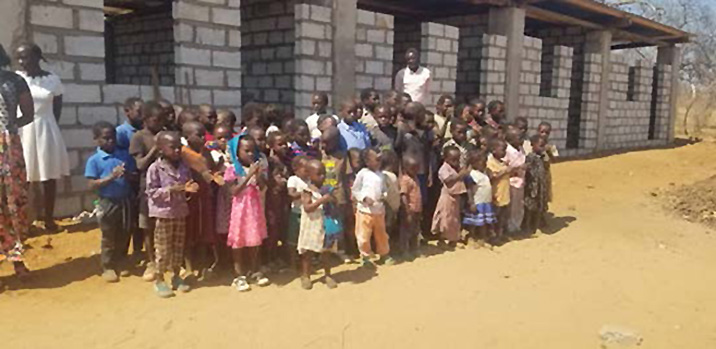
614	257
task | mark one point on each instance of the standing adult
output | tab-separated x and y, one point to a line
414	79
45	153
14	225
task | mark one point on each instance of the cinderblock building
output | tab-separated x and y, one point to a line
551	60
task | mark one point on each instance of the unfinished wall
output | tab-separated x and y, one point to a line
591	87
492	67
12	23
138	43
660	115
628	117
408	34
268	42
438	52
313	55
374	51
469	66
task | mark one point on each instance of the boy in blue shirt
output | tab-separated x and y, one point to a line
110	172
353	133
125	131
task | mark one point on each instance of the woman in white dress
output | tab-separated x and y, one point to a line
46	157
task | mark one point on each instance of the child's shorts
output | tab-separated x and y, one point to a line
485	215
294	227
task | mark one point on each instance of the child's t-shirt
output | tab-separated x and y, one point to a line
482	189
393	191
163	203
101	164
337	168
501	192
369	184
297	183
411	189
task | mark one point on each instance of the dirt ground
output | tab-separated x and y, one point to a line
612	256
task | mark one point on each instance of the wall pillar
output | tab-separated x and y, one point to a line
510	22
600	42
671	55
345	15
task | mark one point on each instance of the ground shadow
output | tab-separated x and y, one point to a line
357	275
556	224
59	275
677	143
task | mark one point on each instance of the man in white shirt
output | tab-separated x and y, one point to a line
414	79
319	104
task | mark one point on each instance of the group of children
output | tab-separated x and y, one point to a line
197	190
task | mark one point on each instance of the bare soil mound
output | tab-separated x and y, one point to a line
695	202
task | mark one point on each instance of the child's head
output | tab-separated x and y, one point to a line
325	122
133	111
330	139
521	124
222	135
185	116
259	135
477	108
252	114
288	128
464	112
489	132
496	109
195	134
445	106
316	172
371	159
351	111
105	135
226	117
169	144
278	144
477	159
544	129
389	161
246	151
392	98
513	136
354	156
414	115
300	132
154	117
208	116
429	122
273	114
370	99
383	115
170	112
451	155
405	98
319	103
278	169
298	164
411	165
498	148
538	144
458	129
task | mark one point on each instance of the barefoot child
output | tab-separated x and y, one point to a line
336	164
390	167
369	191
277	200
385	134
168	182
314	237
515	159
480	215
446	221
109	172
458	130
301	144
411	209
499	174
247	225
536	199
295	185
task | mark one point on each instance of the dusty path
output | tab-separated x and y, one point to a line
616	258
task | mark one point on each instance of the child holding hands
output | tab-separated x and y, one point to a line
411	209
480	215
446	220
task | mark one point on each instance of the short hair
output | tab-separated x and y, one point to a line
324	117
413	109
536	138
521	119
190	126
391	94
409	159
255	128
475	154
494	143
296	125
545	123
252	110
322	95
413	50
151	108
166	136
454	123
228	113
475	101
271	139
459	110
449	149
364	153
366	92
131	101
388	158
296	162
331	131
100	126
493	104
444	97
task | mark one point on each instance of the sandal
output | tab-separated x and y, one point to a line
260	279
241	284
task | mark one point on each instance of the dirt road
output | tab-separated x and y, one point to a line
615	257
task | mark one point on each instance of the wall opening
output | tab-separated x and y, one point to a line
631	87
139	44
407	34
574	112
654	103
547	65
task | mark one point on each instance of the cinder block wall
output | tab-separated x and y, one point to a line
469	65
313	55
374	50
493	63
408	34
438	51
628	120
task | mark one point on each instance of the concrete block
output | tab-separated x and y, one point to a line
234	38
91	20
46	42
364	81
227	98
193	56
92	72
282	82
311	30
85	3
364	50
199	96
89	116
86	46
210	36
433	29
384	52
226	17
366	17
205	77
305	83
119	93
183	33
324	84
374	67
306	47
51	16
325	49
233	78
444	45
227	59
452	32
376	36
384	21
75	93
310	67
78	138
185	10
383	83
321	14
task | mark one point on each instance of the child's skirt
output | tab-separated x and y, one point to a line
485	215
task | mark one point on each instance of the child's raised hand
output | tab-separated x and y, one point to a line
219	179
253	169
191	187
118	171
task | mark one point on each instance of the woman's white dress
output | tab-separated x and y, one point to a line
45	152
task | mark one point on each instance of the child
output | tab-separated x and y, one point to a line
125	131
319	106
390	167
301	137
208	117
278	148
295	185
369	192
170	112
536	199
168	182
515	158
458	130
143	149
252	114
109	171
277	207
496	114
445	109
370	99
446	220
385	134
201	229
274	117
314	234
411	209
521	124
550	154
337	169
247	225
353	133
222	159
480	215
499	174
226	117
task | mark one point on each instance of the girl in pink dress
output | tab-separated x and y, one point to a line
247	224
